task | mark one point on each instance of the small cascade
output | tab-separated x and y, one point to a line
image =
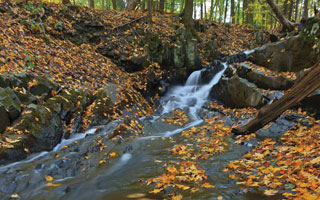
191	96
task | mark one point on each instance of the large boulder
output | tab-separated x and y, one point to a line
262	80
39	130
237	93
312	101
293	54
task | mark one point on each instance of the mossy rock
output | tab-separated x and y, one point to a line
43	87
11	103
25	96
4	122
40	129
4	81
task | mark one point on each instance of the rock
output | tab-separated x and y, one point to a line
199	26
312	101
178	58
139	60
25	96
43	87
4	81
39	130
210	71
191	55
20	80
273	38
262	80
4	122
260	38
10	102
237	93
293	54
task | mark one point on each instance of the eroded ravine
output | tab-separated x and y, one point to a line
79	175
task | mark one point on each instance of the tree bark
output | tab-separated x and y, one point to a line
211	10
306	85
201	9
305	9
114	4
162	3
290	10
150	11
91	3
225	12
285	7
284	21
244	11
232	12
187	15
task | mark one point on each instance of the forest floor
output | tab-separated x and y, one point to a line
33	41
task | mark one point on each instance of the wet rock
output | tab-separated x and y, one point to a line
4	122
10	102
43	87
262	80
237	93
210	71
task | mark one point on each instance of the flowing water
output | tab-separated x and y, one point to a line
80	170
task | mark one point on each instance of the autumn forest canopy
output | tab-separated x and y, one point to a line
160	99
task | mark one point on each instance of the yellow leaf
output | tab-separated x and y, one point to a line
178	197
180	186
136	195
207	185
49	178
112	154
270	192
155	191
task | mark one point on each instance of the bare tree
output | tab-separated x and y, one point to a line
91	3
114	4
150	11
132	4
232	12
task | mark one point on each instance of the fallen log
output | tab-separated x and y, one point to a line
303	88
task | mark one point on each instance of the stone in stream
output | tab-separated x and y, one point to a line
262	80
237	93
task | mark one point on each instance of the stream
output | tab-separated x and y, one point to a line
80	170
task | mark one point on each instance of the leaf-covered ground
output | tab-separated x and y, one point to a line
32	40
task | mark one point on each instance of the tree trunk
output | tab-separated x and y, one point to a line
305	9
232	12
225	12
201	9
238	12
244	11
250	12
162	3
284	21
296	11
132	4
303	88
150	11
114	4
187	15
91	3
285	7
211	10
194	10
